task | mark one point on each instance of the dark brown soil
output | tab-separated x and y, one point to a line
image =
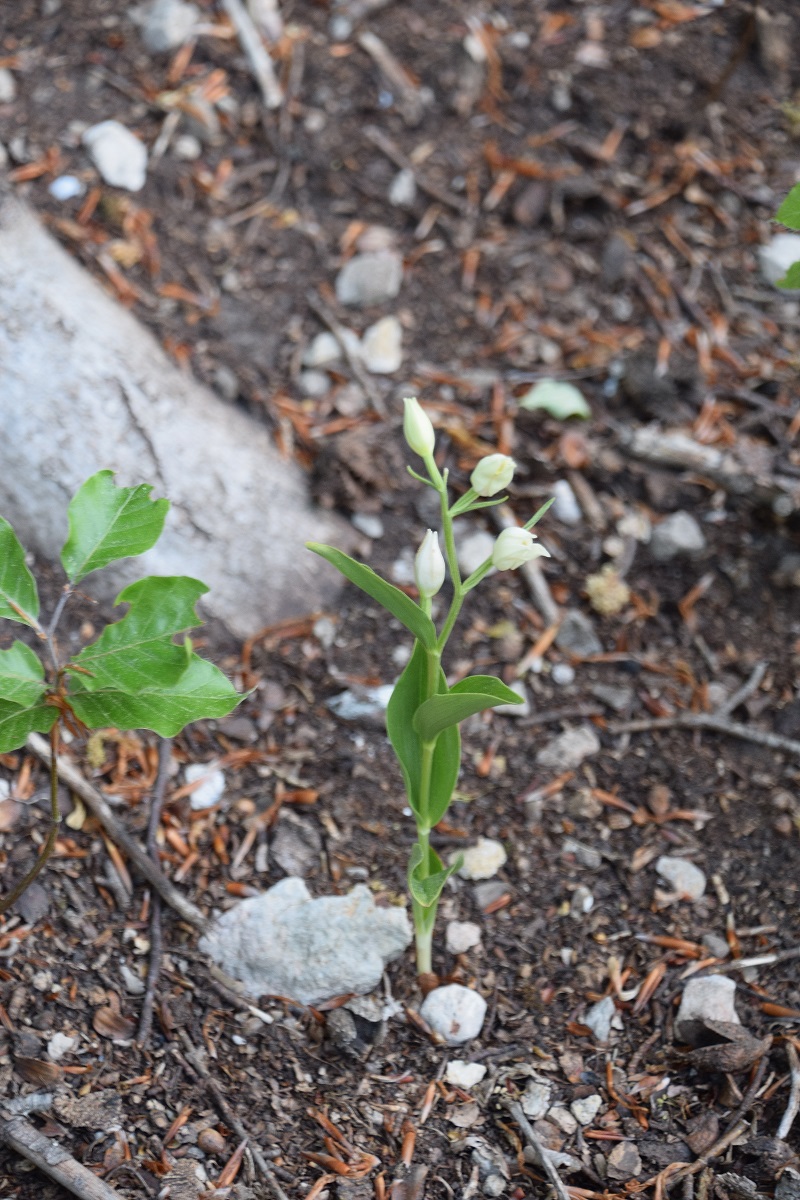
586	273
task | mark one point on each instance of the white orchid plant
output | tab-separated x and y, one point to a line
424	712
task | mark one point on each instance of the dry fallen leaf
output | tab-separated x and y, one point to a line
37	1071
111	1024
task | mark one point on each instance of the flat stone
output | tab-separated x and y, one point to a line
586	1108
296	845
599	1018
455	1012
403	189
166	24
120	158
565	507
325	349
687	880
314	384
8	86
210	782
716	945
563	1118
624	1161
371	278
615	696
286	943
710	998
461	936
780	253
464	1074
569	749
535	1100
577	635
678	535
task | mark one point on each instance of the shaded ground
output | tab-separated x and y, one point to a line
605	176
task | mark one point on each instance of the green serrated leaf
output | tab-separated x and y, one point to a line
426	883
17	721
560	400
19	600
472	695
137	652
792	277
107	523
789	211
21	676
409	693
393	600
202	691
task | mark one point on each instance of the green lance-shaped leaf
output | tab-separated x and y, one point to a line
137	653
19	600
792	277
426	885
21	675
107	523
202	691
789	211
393	600
17	721
471	695
409	693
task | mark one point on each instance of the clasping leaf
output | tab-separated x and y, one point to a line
426	886
473	694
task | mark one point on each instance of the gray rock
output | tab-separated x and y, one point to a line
562	674
296	845
66	187
615	261
716	945
483	860
586	1108
615	697
210	782
382	347
780	253
371	278
581	902
587	856
487	893
361	703
461	936
599	1018
403	189
710	998
314	384
166	24
535	1100
624	1161
678	535
286	943
369	524
687	880
788	1186
187	147
565	506
324	349
455	1012
563	1119
8	86
494	1185
577	635
119	156
569	749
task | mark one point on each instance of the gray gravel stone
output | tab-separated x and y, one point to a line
710	998
586	1108
569	749
687	880
296	845
599	1018
577	635
166	24
535	1099
624	1161
461	936
119	156
565	506
371	278
780	253
8	86
286	943
678	535
455	1012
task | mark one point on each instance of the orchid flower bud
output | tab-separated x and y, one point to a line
417	428
514	547
492	474
429	566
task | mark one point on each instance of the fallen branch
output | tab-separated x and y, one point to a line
255	53
196	1062
19	1135
713	722
533	1141
99	807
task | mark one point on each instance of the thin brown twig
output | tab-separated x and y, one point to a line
69	774
794	1092
197	1064
156	932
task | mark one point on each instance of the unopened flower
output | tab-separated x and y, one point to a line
492	474
514	547
417	428
429	566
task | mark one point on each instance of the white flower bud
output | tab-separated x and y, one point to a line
514	547
429	566
492	474
418	429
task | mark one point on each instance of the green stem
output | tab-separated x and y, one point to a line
423	937
55	818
